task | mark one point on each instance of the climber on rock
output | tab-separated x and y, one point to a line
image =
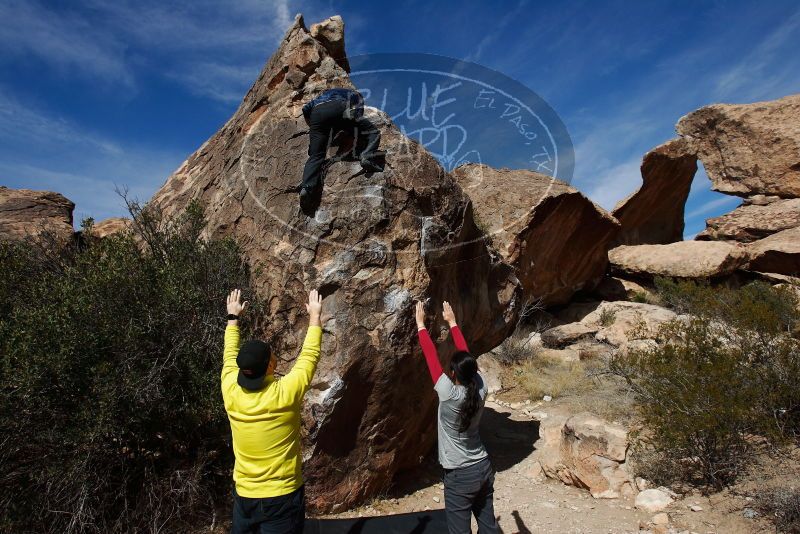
334	111
264	413
468	473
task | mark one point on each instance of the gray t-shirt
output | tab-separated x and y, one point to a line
458	449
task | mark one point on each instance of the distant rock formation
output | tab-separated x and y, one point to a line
377	243
748	149
111	226
555	237
654	213
25	213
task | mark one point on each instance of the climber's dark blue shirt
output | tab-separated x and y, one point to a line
347	95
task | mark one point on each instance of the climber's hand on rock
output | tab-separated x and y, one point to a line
234	302
419	314
314	308
448	314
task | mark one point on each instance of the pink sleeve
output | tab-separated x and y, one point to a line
458	339
431	356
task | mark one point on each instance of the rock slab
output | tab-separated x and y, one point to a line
684	259
748	149
654	213
555	237
751	222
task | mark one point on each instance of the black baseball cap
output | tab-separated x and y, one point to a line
253	360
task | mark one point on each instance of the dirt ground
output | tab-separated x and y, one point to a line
526	504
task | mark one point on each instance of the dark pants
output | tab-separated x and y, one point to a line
324	122
270	515
469	491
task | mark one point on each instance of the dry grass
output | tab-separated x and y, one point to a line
542	376
581	386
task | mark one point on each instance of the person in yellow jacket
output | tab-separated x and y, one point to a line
264	413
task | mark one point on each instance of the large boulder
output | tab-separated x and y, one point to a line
618	323
684	259
751	222
778	253
378	242
25	213
748	149
567	334
555	237
585	451
654	213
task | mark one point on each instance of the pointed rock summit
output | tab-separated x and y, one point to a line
377	243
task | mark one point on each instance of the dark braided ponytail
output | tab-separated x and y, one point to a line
465	367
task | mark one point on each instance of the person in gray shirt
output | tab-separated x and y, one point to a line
468	473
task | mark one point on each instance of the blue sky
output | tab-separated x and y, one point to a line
98	94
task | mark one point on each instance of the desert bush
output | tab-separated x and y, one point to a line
514	350
110	412
720	380
607	317
782	506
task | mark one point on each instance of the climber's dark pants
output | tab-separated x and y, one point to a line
270	515
324	122
469	491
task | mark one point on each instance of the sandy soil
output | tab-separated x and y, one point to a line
525	503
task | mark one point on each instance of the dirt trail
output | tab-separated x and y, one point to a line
525	503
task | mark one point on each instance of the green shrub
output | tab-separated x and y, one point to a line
607	317
110	412
720	380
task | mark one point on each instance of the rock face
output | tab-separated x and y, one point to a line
748	149
614	288
587	452
751	222
684	259
378	242
618	323
25	213
556	238
654	213
110	226
778	253
563	335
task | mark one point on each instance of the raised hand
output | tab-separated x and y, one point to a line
314	307
419	314
234	302
448	314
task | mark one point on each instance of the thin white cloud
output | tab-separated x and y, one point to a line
83	166
66	42
210	47
613	184
712	205
21	123
765	68
498	29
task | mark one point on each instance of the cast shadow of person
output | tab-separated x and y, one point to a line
507	441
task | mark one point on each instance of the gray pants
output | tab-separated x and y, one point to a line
469	491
